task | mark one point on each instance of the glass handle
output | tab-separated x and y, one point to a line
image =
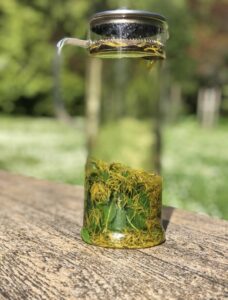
72	41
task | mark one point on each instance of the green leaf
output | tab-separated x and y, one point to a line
139	222
136	221
109	212
119	222
129	202
125	173
85	235
105	176
130	213
143	200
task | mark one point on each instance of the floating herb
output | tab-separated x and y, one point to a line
148	49
122	206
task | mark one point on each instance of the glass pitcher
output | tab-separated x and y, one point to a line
122	202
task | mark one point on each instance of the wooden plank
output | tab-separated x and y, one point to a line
43	257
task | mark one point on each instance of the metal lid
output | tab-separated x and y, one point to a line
128	23
126	14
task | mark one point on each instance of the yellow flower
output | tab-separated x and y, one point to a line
99	192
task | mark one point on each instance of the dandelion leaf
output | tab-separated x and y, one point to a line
119	222
85	235
109	214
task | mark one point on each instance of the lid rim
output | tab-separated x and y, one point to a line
127	13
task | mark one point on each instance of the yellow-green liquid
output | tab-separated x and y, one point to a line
120	48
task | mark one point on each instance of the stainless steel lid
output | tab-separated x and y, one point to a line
126	14
128	23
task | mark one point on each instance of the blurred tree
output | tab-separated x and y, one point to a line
19	77
29	31
210	54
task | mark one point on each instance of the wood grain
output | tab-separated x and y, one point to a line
43	257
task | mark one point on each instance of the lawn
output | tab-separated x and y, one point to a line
196	168
43	148
195	160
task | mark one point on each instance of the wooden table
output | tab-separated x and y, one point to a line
43	257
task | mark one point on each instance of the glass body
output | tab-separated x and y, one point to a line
123	202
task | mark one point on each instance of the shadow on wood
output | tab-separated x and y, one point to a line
166	216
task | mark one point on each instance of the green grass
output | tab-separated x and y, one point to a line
42	148
196	168
195	161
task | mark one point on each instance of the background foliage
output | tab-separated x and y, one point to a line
29	31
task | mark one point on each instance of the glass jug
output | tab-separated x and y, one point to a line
122	206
